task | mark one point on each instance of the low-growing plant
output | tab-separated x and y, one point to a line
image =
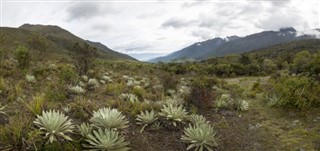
115	88
36	105
55	124
200	137
242	105
85	129
146	118
92	84
174	114
30	78
109	118
195	118
14	132
77	89
107	139
2	108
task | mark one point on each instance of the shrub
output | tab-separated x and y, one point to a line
106	139
22	54
83	55
201	94
55	124
109	118
200	137
300	92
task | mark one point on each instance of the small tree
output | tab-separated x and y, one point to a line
83	55
22	54
38	43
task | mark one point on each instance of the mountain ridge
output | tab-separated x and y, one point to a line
236	45
59	40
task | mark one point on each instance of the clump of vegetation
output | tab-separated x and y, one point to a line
195	118
174	115
77	89
36	105
85	129
23	56
83	55
201	94
55	124
200	137
14	132
146	118
2	108
109	118
300	92
106	139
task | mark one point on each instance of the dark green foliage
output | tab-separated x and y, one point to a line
67	75
23	56
301	62
38	43
169	81
83	55
300	92
202	94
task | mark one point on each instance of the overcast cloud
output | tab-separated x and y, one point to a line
149	29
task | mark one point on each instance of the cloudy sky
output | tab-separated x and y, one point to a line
145	29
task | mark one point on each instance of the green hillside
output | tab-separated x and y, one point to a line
58	40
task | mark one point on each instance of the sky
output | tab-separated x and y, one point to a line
146	29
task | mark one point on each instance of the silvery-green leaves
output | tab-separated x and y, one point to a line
2	109
84	129
146	118
106	140
195	118
77	89
55	125
30	78
109	118
200	137
243	105
174	113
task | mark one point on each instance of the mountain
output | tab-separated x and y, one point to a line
58	39
218	47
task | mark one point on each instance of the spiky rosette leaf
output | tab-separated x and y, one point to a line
146	118
195	118
55	124
84	129
106	140
109	118
243	105
200	137
175	114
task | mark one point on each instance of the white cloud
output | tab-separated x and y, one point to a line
165	26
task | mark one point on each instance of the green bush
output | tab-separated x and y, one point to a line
23	56
300	92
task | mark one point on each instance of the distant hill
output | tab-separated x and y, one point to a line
59	40
236	45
